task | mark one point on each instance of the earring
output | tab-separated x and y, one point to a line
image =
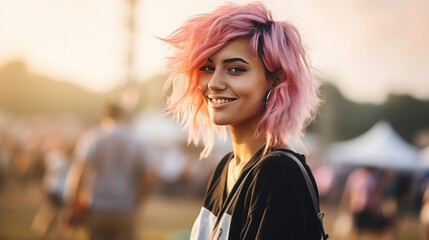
268	95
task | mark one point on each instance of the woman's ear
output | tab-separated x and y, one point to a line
275	78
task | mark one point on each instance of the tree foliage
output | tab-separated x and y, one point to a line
341	119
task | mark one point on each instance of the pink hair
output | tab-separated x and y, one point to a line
294	99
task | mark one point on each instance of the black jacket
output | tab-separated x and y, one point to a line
272	203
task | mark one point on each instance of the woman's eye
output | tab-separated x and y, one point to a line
237	69
206	68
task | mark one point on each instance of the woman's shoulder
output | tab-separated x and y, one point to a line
277	165
281	158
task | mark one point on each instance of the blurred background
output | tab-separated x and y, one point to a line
61	60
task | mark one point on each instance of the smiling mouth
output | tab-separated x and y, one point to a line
221	100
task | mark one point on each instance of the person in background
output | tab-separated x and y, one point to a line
112	174
364	201
238	69
49	219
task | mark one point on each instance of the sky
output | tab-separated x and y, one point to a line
368	48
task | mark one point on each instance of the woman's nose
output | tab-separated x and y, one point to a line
217	82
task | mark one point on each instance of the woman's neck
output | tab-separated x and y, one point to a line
245	145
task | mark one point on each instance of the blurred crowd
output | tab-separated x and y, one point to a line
42	153
30	149
108	168
373	201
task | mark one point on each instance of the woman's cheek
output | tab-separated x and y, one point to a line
202	85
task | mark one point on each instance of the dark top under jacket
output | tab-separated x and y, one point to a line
273	203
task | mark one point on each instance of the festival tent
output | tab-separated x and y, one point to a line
156	127
379	147
163	137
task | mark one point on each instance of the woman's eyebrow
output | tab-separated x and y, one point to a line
236	59
229	60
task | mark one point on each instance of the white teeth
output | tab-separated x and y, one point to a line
220	101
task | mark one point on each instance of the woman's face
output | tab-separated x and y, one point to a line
234	85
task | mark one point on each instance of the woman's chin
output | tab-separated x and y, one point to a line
220	122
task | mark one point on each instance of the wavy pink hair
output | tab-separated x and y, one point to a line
294	99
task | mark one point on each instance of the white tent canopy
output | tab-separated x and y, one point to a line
380	147
157	128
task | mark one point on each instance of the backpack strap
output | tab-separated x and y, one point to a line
310	186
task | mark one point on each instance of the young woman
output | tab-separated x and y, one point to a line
237	68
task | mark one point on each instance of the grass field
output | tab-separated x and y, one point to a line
162	218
